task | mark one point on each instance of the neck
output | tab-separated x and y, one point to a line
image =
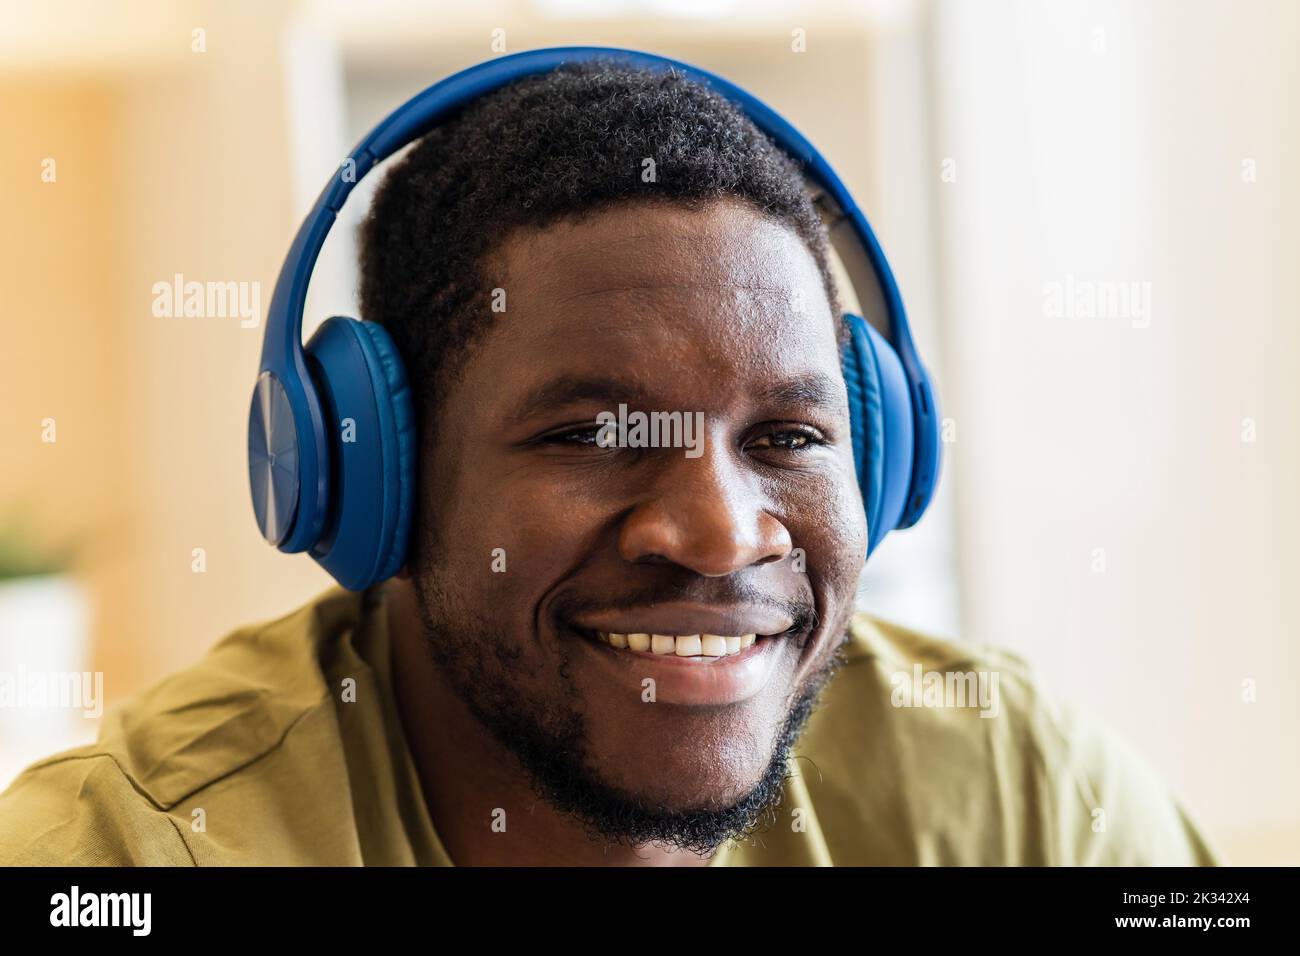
478	795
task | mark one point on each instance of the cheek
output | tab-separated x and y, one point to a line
829	523
827	519
502	536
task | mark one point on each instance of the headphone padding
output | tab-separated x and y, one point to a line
369	425
396	393
867	426
883	441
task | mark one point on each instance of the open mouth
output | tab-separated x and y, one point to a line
700	647
696	669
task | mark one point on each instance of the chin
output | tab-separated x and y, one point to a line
682	759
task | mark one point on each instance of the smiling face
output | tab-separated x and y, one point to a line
551	640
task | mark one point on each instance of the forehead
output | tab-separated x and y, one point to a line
643	288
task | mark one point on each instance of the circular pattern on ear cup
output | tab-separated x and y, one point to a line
272	458
392	391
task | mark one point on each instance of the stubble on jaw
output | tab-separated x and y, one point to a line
550	742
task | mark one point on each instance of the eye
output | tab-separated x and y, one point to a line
583	436
788	440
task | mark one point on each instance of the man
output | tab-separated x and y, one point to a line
598	653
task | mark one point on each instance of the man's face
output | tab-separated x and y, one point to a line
536	541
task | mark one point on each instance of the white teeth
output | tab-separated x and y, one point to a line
710	646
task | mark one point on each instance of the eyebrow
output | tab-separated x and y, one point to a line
815	389
569	389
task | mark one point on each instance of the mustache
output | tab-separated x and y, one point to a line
799	610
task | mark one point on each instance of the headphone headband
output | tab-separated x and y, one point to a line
282	350
436	104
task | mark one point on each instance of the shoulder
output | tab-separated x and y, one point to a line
124	799
973	760
79	809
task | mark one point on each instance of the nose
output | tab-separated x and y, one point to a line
706	515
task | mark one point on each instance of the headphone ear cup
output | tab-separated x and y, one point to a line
881	426
370	428
400	481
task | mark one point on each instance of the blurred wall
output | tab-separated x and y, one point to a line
168	161
63	361
1127	508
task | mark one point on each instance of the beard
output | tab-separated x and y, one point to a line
550	741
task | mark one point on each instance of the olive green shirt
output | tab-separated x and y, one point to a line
264	753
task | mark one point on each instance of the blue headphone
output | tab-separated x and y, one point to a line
331	430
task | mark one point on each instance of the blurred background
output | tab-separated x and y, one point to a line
1087	204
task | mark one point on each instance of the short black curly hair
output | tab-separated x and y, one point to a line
545	148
